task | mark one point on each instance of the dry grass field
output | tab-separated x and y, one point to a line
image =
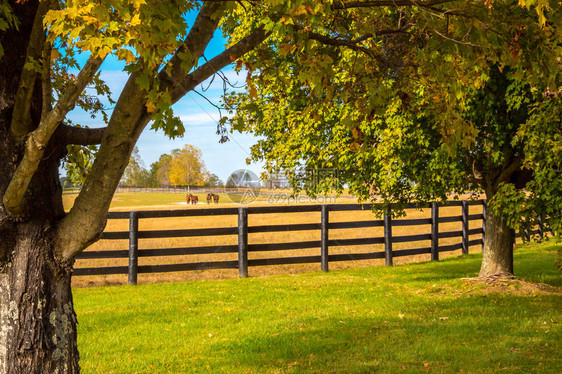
143	201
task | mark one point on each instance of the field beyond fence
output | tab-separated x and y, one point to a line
225	242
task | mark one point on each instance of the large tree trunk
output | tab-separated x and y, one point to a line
498	247
38	324
37	320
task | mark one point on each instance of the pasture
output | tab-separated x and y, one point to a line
156	201
412	318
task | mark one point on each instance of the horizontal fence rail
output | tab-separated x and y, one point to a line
324	242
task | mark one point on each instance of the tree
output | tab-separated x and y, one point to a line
213	180
135	174
187	167
42	77
41	80
160	170
410	110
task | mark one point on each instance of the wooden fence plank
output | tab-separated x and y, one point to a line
280	228
356	224
108	270
452	247
283	209
410	238
474	217
449	219
115	235
411	222
284	246
357	256
188	251
158	234
411	252
284	260
95	255
450	234
188	266
195	212
357	241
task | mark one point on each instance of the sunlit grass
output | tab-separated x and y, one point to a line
409	318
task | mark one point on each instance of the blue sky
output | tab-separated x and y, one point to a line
198	116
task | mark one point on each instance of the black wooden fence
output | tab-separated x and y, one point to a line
242	230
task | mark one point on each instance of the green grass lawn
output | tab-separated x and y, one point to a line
412	318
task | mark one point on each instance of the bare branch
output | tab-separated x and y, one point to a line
80	135
37	140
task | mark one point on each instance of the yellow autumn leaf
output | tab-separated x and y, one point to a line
150	107
135	21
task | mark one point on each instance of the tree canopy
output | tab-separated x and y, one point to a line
447	97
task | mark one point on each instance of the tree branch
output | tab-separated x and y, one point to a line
217	63
79	135
508	171
351	44
47	90
21	119
195	43
387	3
86	220
37	140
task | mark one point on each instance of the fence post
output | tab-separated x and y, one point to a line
464	227
483	223
541	229
243	242
434	231
387	239
324	219
133	247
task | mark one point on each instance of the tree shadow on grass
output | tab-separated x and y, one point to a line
531	263
484	333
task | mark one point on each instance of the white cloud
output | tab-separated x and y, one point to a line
200	118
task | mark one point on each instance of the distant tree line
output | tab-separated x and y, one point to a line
181	168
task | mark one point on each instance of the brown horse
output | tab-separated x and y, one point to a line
216	198
188	198
209	197
194	199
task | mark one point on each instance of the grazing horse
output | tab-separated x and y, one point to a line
194	199
216	198
209	197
